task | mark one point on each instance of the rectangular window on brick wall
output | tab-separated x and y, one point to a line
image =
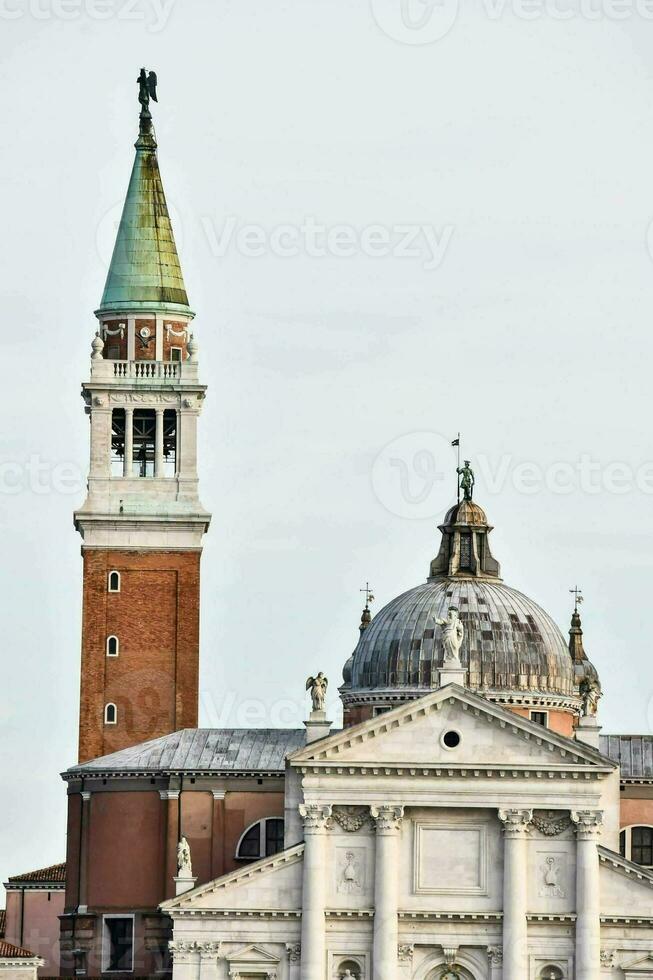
118	945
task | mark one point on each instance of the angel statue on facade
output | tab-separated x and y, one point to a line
453	632
184	866
318	688
146	89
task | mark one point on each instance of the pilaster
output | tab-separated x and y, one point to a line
516	828
317	820
588	825
388	819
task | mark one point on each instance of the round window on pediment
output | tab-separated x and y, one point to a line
451	739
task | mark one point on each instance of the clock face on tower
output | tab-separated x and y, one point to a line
145	336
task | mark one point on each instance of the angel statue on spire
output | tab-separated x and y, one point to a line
318	688
146	89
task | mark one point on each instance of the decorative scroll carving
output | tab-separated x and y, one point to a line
171	332
608	957
108	332
551	822
589	823
294	952
351	818
405	952
133	396
316	816
551	887
516	823
387	818
351	871
495	955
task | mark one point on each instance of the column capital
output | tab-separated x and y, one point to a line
316	817
516	823
209	950
589	823
388	818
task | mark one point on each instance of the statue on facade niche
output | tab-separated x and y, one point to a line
467	481
146	89
318	688
453	632
184	866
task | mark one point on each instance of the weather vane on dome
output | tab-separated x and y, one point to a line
369	595
465	481
578	597
146	82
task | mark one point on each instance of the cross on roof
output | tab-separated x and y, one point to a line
369	595
578	597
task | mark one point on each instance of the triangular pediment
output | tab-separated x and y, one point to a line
413	736
641	962
252	955
273	882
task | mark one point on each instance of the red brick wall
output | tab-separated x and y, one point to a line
173	341
154	680
124	833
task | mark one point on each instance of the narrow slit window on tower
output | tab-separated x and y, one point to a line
144	437
176	354
114	581
117	441
170	442
465	551
113	646
110	714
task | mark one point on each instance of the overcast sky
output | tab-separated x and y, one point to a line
394	223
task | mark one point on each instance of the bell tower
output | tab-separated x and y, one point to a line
142	522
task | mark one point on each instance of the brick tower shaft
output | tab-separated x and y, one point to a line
142	523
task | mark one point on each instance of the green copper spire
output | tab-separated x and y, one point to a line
145	273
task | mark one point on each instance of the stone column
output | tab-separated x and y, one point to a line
209	960
516	827
588	903
178	443
158	443
386	891
317	819
185	960
128	460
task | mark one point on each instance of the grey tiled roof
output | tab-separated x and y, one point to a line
633	753
203	750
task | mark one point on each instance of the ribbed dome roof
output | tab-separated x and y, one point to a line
509	642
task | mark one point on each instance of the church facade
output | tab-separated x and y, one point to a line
469	821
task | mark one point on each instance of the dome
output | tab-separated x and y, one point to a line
511	648
510	643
